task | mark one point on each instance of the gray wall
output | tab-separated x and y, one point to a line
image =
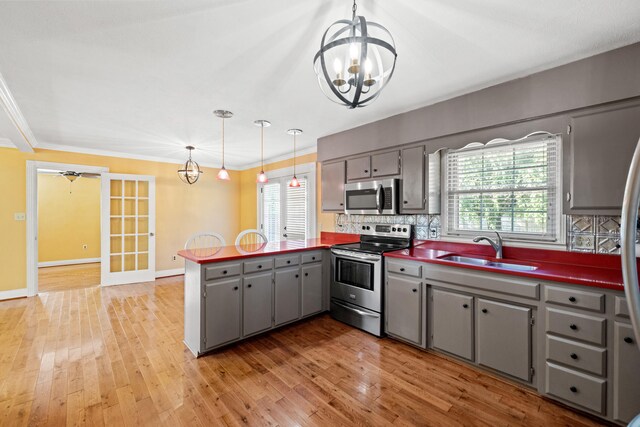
608	77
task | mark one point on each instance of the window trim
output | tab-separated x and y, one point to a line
308	169
560	227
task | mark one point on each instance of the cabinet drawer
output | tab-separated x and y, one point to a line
220	271
406	269
573	386
311	257
258	265
577	355
575	298
287	261
576	326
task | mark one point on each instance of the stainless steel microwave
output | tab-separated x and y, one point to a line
371	197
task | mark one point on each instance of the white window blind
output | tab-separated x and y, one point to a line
297	208
271	211
507	186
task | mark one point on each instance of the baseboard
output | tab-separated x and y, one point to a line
13	293
167	273
68	262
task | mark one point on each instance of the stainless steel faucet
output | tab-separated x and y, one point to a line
497	244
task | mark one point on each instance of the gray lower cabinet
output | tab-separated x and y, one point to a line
452	323
222	304
287	295
256	303
626	374
311	289
404	308
333	179
504	338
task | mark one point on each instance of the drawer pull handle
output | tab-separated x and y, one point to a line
572	299
628	340
224	271
484	310
573	389
465	305
414	290
573	326
306	274
288	261
260	266
249	285
402	269
574	356
313	258
235	288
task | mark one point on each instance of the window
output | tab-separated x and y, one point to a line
286	213
506	186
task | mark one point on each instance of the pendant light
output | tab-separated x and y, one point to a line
262	177
223	174
294	181
363	56
190	172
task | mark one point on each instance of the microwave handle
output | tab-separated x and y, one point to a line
380	199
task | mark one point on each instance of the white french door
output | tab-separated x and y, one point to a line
284	211
128	229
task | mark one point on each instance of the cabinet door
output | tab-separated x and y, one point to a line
599	154
404	308
626	375
359	168
385	164
287	295
311	289
256	303
504	338
222	312
413	179
333	175
452	329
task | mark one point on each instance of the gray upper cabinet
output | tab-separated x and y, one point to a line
287	295
597	158
222	304
311	289
404	309
256	303
413	180
333	179
626	394
504	338
359	168
385	164
452	327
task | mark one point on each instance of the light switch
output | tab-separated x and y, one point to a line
19	216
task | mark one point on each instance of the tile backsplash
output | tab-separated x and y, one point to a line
585	233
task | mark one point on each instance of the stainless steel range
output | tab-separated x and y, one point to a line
357	275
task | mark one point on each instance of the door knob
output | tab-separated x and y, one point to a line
152	234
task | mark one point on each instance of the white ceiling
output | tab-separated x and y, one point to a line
142	77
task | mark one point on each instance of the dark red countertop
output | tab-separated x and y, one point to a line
603	271
227	253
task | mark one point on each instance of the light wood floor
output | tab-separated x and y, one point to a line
114	356
65	277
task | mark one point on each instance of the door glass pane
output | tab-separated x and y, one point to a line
129	225
143	261
130	244
116	244
130	189
143	225
116	207
116	188
143	207
143	189
116	225
143	243
129	206
271	211
116	263
129	262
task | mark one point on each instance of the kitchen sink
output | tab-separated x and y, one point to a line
488	263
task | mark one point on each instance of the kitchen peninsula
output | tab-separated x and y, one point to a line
234	292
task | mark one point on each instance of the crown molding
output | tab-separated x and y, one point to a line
6	143
286	156
10	106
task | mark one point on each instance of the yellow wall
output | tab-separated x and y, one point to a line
181	210
68	218
248	193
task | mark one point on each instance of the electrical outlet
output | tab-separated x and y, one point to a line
85	247
174	258
19	216
433	233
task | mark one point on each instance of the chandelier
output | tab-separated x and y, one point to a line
223	174
362	57
190	172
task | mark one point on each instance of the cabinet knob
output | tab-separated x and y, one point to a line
573	326
297	276
628	340
402	269
224	271
306	274
414	290
366	171
572	299
484	310
341	204
235	288
260	266
313	258
249	285
465	305
289	261
405	202
375	170
573	389
574	356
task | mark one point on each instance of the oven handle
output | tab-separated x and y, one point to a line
379	199
348	255
360	312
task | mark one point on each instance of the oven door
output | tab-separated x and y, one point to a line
357	278
371	197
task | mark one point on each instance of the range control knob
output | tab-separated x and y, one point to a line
404	229
364	227
393	229
368	227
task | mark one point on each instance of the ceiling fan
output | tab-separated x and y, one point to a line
72	175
